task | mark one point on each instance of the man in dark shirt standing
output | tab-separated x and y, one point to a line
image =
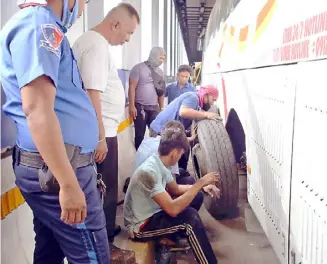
182	85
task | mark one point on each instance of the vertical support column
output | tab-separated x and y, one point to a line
175	42
146	28
7	9
155	23
132	50
165	36
173	48
180	50
161	14
171	36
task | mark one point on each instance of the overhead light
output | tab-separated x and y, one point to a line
201	19
202	9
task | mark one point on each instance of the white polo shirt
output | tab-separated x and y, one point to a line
99	73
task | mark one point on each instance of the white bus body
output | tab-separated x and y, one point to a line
268	59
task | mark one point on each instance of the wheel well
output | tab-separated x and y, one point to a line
236	134
195	162
196	167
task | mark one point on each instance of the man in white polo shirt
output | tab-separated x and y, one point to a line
107	94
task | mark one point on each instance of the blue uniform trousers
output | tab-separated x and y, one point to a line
81	244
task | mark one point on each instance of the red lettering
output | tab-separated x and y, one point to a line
308	28
321	46
295	33
300	50
286	53
287	36
321	23
301	30
315	25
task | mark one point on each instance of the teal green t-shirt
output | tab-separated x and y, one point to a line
147	181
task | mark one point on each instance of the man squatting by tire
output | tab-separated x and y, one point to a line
150	146
151	212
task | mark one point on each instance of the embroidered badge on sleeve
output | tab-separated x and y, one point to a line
53	37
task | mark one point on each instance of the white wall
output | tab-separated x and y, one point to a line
8	7
76	30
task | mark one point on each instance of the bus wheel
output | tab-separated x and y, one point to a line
214	152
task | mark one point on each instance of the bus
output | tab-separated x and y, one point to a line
268	59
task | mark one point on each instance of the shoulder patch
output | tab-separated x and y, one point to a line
53	37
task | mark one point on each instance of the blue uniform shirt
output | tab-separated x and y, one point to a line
33	44
147	148
173	90
171	111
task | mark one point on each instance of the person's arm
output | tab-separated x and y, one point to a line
161	99
38	105
133	81
174	206
161	102
96	101
167	92
190	113
131	92
102	148
93	63
177	189
37	75
187	109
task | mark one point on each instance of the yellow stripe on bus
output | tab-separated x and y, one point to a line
12	199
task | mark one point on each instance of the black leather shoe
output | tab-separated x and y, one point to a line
117	230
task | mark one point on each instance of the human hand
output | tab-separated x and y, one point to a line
213	116
132	112
73	204
193	130
210	178
101	151
212	190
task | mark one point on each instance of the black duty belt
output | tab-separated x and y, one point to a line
34	160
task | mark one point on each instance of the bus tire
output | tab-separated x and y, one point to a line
197	161
215	153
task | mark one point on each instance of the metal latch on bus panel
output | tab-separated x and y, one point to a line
293	260
283	245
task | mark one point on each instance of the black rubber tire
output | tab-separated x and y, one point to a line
197	161
215	153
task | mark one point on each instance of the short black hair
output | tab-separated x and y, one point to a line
185	68
173	124
173	137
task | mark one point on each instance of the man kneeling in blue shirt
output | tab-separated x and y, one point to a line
150	212
186	108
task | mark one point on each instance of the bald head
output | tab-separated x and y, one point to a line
120	23
122	10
